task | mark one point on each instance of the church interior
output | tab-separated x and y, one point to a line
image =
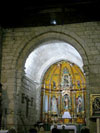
50	66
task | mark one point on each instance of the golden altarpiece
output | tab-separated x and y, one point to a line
63	92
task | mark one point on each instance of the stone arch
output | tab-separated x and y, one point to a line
28	46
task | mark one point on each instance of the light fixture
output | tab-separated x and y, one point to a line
53	22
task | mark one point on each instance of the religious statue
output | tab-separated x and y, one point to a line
66	102
79	104
54	105
54	84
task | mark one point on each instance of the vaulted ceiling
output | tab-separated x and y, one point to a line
47	54
42	13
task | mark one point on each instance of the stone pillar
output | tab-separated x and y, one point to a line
98	125
8	98
0	77
38	100
0	50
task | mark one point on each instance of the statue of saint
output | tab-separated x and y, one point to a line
66	102
79	104
54	105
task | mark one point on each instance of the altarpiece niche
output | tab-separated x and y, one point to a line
63	92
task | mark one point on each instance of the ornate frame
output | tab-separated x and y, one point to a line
95	105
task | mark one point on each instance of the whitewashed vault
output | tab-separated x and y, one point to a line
48	53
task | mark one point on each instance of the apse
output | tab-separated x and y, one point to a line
63	94
41	58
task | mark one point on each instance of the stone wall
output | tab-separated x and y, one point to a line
0	76
0	50
19	42
26	113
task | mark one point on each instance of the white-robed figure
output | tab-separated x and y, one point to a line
54	105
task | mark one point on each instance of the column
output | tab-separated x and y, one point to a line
98	125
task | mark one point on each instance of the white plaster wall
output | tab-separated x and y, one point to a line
42	57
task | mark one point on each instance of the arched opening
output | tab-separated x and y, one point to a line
36	66
35	59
